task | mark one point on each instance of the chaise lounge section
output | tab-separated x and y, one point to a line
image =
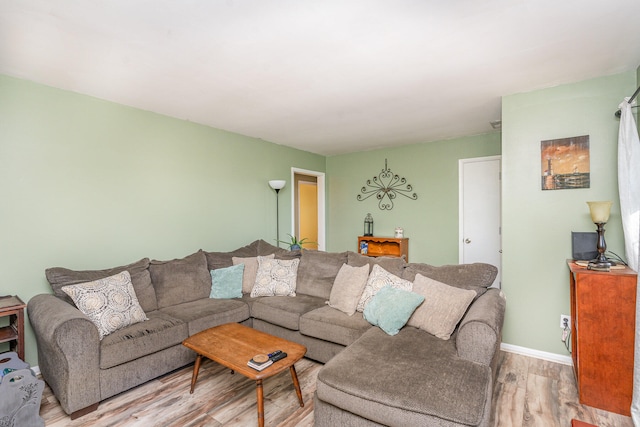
369	377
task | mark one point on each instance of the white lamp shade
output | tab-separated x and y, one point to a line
277	184
600	211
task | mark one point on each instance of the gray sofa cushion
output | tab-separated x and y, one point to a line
181	280
317	271
477	276
285	311
159	332
207	313
266	248
393	265
140	279
369	378
223	259
329	324
249	300
217	260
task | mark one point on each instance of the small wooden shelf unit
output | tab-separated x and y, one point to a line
603	317
385	246
13	333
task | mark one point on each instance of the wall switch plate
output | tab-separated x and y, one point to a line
565	321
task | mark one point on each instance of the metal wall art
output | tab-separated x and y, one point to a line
386	187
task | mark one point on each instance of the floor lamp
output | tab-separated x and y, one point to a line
277	184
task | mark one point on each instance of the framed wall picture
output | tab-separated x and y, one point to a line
565	163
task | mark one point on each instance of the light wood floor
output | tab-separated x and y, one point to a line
529	392
532	392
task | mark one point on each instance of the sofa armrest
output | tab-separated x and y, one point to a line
68	351
480	331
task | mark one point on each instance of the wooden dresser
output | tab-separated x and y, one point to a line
603	307
384	246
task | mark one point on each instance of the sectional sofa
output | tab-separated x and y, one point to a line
369	378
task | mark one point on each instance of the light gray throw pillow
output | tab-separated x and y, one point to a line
250	271
347	288
443	306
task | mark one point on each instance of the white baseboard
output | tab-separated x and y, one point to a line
36	369
551	357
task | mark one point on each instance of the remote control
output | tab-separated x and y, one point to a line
279	356
275	353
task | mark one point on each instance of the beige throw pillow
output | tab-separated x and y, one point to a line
443	306
347	288
110	303
250	271
378	279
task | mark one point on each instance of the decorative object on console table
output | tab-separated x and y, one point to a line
384	246
600	212
603	316
13	333
368	225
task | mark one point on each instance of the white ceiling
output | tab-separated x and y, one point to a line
329	77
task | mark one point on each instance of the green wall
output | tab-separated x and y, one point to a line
431	221
537	224
89	184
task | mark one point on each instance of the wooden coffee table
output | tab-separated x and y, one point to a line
233	345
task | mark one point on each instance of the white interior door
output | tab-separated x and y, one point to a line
480	218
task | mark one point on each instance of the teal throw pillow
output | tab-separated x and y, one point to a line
227	282
391	308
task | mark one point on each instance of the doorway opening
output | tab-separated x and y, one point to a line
308	207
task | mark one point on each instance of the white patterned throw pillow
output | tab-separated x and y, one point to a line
378	279
276	277
250	271
110	303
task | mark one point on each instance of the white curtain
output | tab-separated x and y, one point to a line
629	182
629	189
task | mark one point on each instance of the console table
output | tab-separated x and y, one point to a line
13	333
385	246
603	317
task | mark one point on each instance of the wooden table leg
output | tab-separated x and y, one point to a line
296	384
260	403
196	369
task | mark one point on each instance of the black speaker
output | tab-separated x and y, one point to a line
584	245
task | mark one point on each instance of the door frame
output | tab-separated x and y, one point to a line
320	177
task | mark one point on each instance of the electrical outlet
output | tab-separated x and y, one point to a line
565	321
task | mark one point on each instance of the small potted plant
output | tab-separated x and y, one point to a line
295	244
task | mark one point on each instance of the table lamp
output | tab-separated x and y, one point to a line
600	212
